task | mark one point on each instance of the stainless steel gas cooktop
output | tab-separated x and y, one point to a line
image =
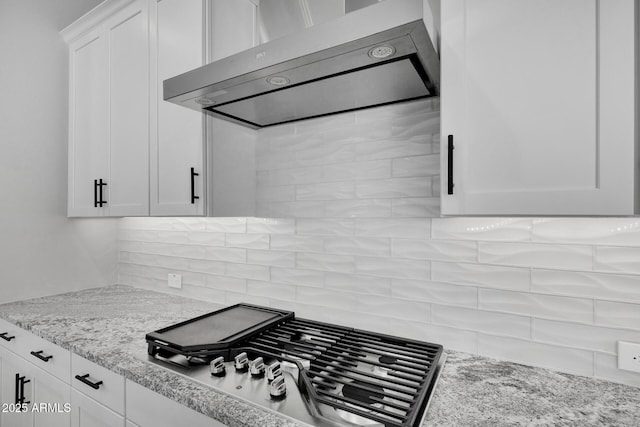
316	373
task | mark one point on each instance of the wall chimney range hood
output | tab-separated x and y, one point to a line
378	55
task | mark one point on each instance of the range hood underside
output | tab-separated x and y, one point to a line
384	83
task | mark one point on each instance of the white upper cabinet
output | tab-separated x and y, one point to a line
108	116
538	103
177	133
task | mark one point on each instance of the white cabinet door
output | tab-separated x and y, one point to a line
50	400
86	412
538	99
126	36
88	145
15	374
147	408
177	133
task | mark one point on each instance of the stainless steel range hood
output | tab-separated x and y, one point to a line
377	55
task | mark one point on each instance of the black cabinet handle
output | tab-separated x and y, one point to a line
102	201
5	336
20	382
95	193
40	356
85	379
450	165
193	186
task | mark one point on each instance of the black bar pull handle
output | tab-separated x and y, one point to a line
22	380
102	201
85	379
193	186
17	400
5	336
95	193
450	165
40	356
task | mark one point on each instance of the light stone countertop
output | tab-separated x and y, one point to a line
108	326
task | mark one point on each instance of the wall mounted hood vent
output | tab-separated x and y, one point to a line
374	56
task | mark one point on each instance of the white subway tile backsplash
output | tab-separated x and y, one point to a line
596	338
372	246
617	259
482	321
564	257
325	191
450	250
602	231
247	271
373	304
296	243
227	225
560	358
416	207
271	290
413	228
358	284
605	286
224	283
394	188
271	225
226	254
617	314
393	267
439	293
506	229
368	249
273	258
248	241
488	276
377	169
298	277
537	305
326	262
366	208
416	166
325	227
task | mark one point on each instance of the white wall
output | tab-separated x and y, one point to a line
368	249
41	251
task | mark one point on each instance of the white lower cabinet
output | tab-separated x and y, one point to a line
86	412
147	408
44	398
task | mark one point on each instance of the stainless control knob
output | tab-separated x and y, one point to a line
256	367
277	388
216	367
241	362
273	371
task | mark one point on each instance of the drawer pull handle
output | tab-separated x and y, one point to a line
193	186
40	356
85	379
5	336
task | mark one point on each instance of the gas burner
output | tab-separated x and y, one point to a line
363	392
318	373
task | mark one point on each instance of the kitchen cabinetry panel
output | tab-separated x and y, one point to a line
177	144
10	389
88	149
126	35
89	413
51	395
539	100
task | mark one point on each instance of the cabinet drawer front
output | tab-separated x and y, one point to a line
99	383
87	412
11	335
46	355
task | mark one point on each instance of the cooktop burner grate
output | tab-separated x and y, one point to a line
377	377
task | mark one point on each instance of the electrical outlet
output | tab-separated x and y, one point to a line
629	356
175	281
